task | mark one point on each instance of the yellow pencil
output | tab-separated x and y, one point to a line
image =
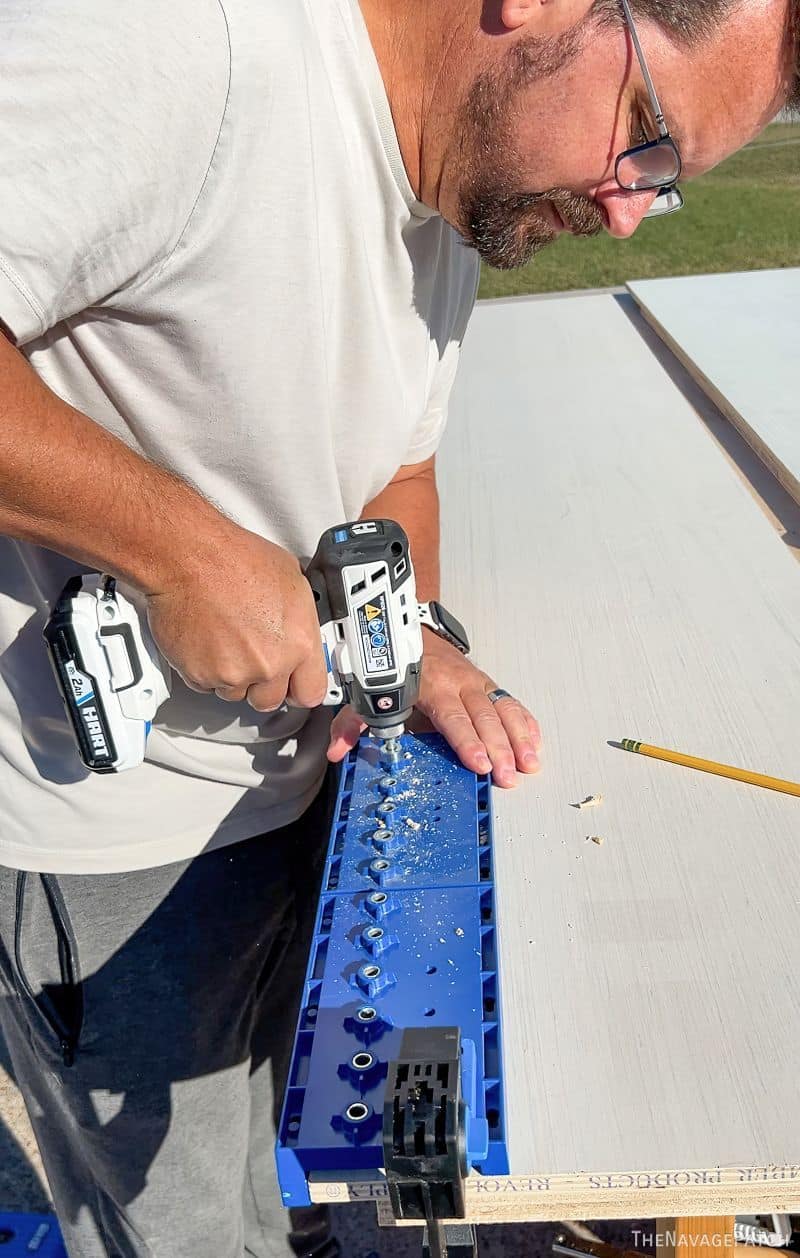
710	766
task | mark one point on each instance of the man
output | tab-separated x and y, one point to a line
234	283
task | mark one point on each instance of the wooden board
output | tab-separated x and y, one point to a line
739	335
704	1237
636	1195
616	574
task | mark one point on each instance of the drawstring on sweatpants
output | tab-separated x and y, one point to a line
67	962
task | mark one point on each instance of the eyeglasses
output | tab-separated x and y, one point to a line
656	164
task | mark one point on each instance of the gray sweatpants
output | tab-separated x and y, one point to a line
149	1018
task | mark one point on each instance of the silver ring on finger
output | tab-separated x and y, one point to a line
494	696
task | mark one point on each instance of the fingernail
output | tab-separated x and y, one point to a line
508	777
530	759
484	764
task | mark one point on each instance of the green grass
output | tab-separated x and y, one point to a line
743	216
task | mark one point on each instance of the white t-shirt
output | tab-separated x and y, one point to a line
208	244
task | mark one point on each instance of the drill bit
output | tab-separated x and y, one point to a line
390	751
390	746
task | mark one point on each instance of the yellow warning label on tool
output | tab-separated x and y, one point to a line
371	611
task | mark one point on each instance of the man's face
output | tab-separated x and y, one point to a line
539	130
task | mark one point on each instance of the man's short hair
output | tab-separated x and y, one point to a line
691	21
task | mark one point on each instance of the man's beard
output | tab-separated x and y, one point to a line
505	225
508	229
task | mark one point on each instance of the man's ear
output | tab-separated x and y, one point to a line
545	17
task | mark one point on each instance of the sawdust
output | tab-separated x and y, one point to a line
591	801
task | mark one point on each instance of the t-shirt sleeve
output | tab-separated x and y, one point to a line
430	430
109	114
459	285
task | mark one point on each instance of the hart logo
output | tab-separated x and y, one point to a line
94	729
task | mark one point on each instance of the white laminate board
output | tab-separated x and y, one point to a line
614	573
739	335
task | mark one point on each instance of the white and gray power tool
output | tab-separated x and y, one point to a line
371	622
113	679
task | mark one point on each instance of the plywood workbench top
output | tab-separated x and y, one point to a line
616	575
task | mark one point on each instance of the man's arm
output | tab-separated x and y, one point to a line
67	484
412	499
501	737
218	596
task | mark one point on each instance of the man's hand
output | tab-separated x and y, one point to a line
244	625
499	737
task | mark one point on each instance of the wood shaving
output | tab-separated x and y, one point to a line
591	801
413	825
598	839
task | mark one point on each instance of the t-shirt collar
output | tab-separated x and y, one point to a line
383	114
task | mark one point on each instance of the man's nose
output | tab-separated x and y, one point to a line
624	210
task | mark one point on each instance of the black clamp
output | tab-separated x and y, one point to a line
424	1138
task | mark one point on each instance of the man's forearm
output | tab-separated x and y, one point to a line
67	484
414	503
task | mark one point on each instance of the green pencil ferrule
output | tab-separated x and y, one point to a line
630	744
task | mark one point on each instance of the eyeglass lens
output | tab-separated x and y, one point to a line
650	166
667	202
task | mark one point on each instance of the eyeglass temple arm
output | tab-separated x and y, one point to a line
660	123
